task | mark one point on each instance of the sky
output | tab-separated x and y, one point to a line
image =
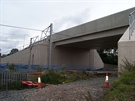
39	14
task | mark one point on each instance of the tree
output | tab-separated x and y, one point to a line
109	56
3	55
14	50
11	67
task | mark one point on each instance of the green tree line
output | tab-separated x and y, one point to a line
109	56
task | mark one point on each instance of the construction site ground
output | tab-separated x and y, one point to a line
73	91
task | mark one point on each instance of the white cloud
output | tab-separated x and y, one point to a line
70	21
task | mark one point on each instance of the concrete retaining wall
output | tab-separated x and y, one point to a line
73	58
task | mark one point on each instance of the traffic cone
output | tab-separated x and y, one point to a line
39	81
106	84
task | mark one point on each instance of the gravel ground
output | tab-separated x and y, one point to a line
66	92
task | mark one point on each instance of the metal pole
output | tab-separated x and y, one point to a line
29	60
50	45
7	78
0	56
129	26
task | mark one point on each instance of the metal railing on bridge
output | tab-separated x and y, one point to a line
131	23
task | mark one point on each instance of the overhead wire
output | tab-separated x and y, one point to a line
5	40
36	30
44	31
20	27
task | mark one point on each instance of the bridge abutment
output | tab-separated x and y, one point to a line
126	50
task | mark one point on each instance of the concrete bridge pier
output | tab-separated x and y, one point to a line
126	49
95	60
76	58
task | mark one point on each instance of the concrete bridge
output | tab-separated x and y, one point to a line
101	33
75	47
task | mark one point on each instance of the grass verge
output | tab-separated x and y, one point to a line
123	89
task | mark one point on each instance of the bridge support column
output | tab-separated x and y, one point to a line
95	60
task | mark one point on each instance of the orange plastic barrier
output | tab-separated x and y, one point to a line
30	83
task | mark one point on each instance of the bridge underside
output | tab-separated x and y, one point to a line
98	40
107	42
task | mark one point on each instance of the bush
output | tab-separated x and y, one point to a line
59	77
2	87
39	69
12	67
14	85
53	77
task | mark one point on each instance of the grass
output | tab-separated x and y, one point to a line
88	97
123	89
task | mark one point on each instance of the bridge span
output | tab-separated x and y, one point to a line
75	48
101	33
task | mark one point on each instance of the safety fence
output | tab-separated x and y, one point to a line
8	76
11	79
25	68
19	67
